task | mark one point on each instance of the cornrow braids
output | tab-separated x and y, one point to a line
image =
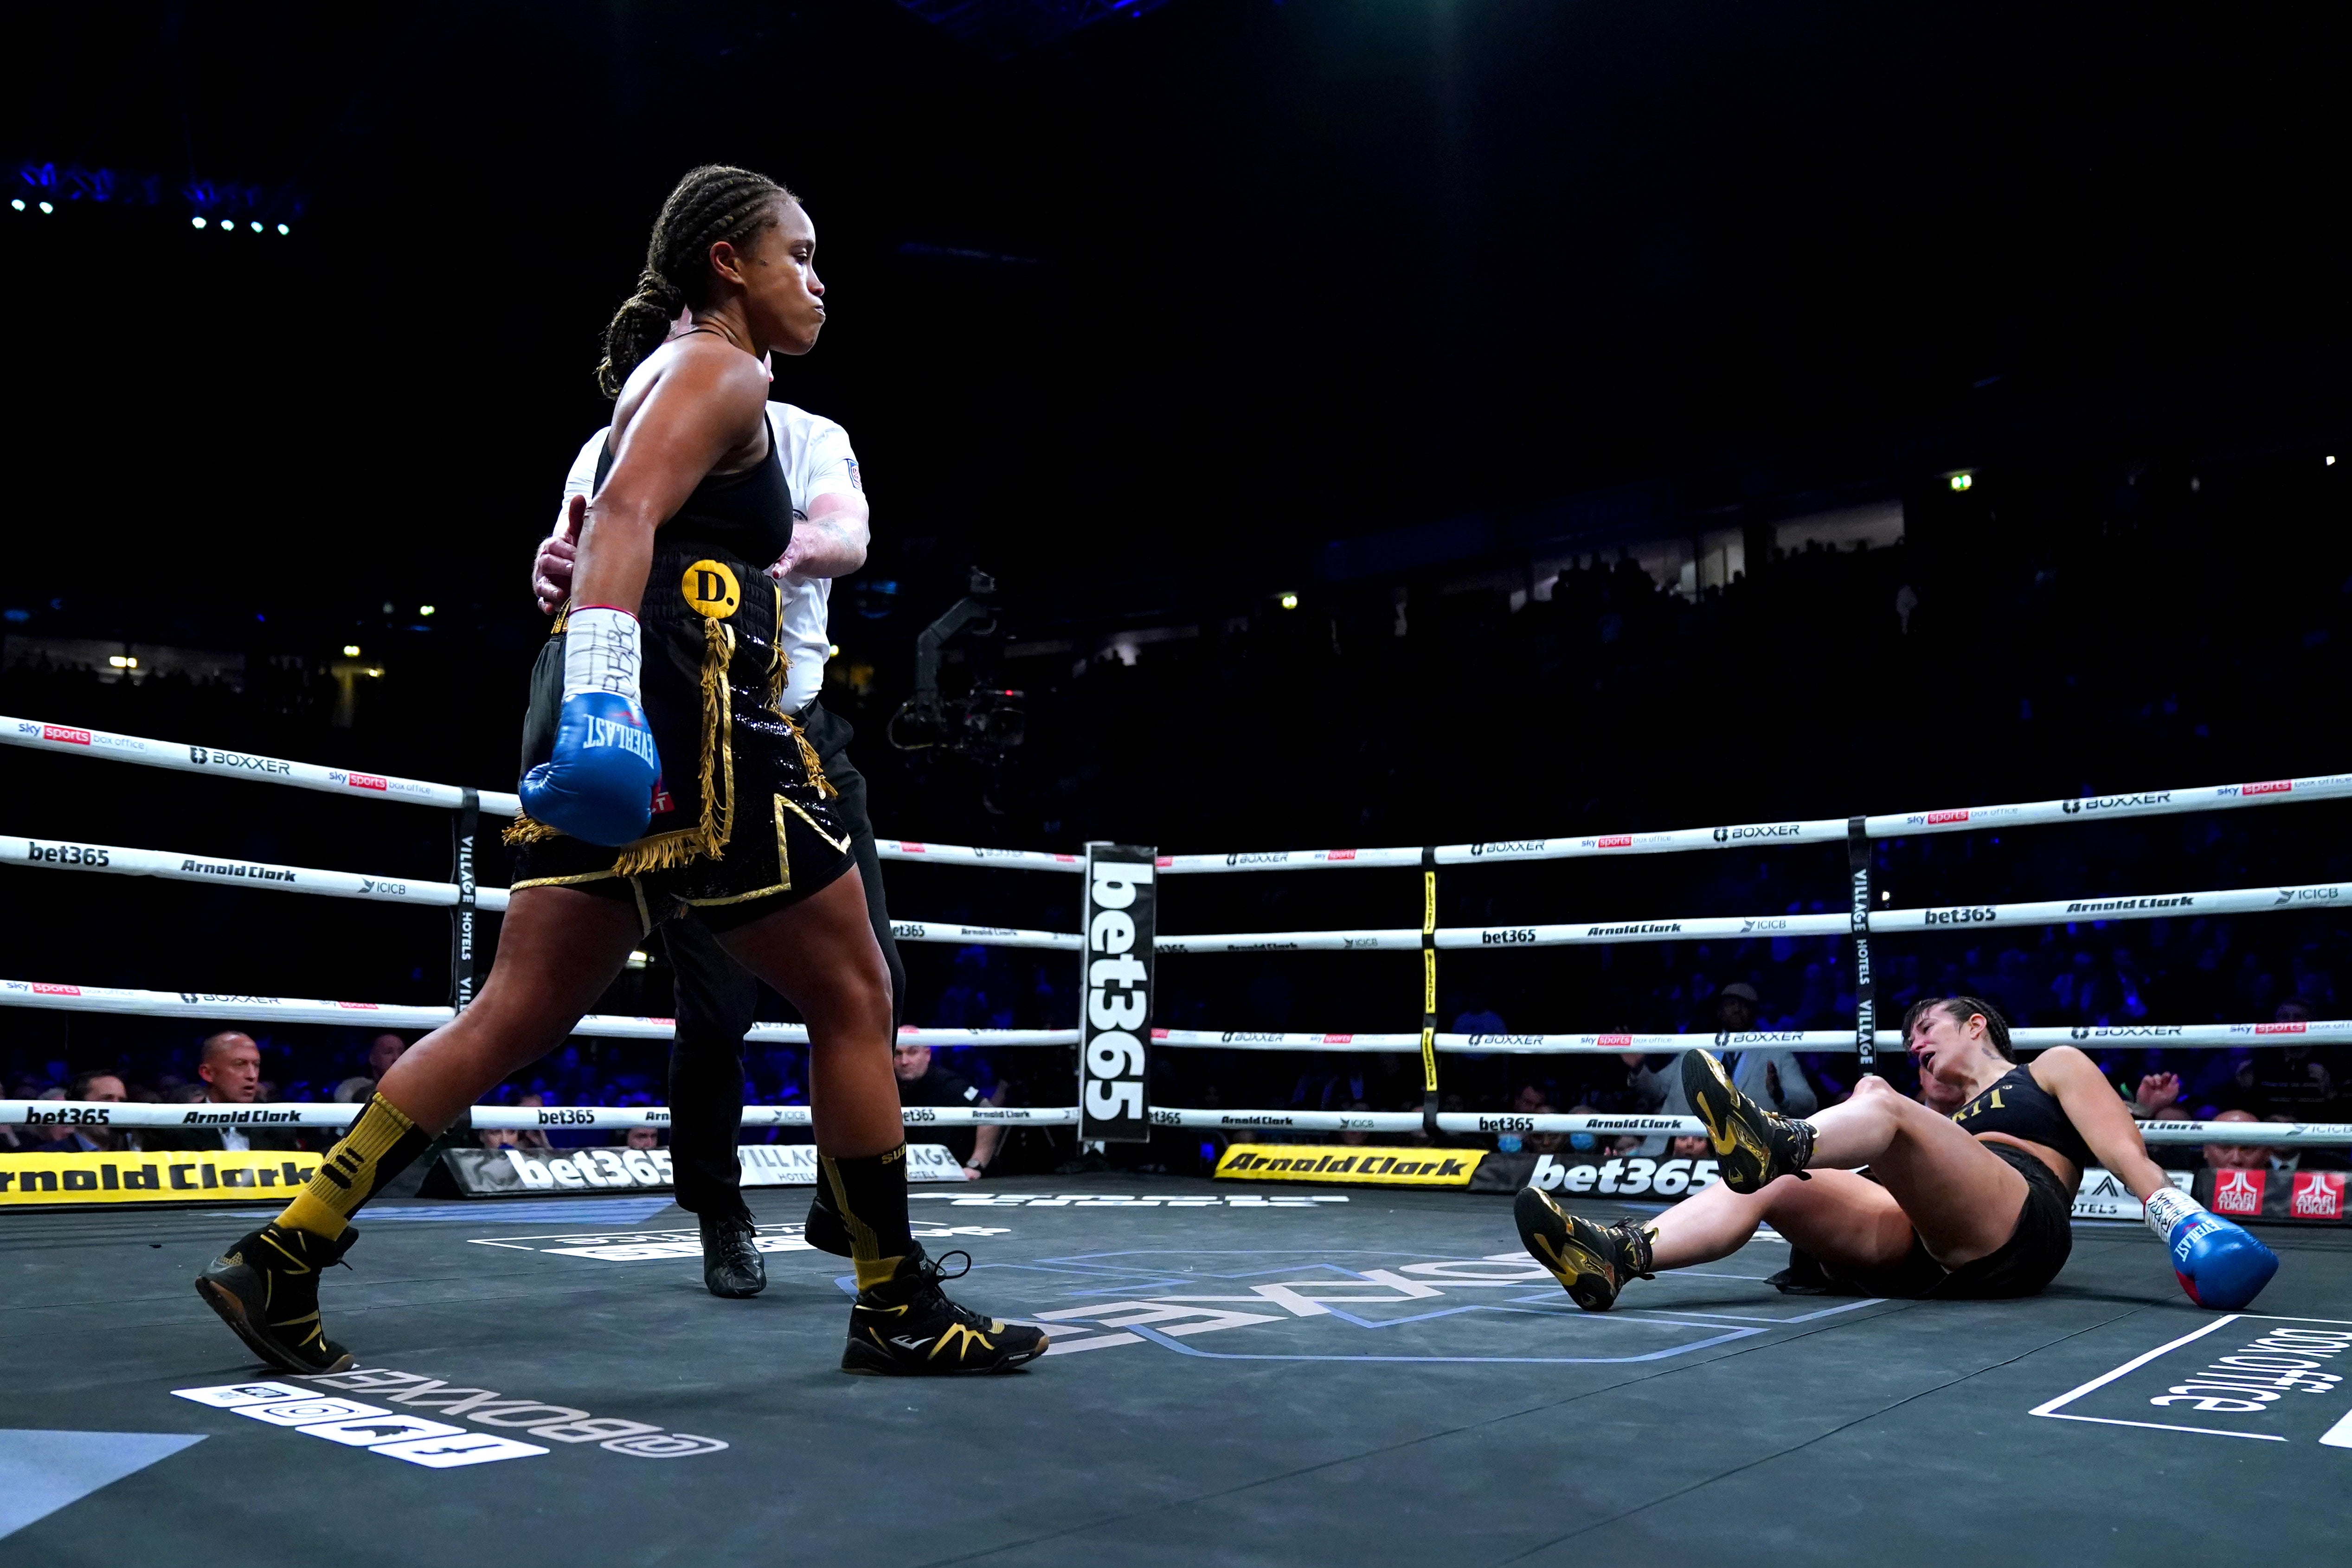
716	202
1959	1009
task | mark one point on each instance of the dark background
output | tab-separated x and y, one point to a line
1172	314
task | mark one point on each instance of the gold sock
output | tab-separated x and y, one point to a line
871	1192
380	1145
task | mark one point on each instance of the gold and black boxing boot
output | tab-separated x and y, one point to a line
826	1230
266	1288
1751	1145
907	1327
731	1265
1592	1262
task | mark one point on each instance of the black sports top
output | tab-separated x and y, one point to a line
747	515
2022	1108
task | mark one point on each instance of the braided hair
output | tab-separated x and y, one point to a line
716	202
1959	1009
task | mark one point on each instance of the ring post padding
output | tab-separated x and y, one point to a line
1866	985
463	828
1429	991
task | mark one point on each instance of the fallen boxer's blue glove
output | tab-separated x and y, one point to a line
2218	1263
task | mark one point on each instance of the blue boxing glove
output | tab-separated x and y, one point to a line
2219	1264
598	784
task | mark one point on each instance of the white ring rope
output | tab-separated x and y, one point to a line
1962	917
226	763
390	1016
2241	1133
118	860
64	855
595	1118
487	1118
114	859
1825	1041
183	758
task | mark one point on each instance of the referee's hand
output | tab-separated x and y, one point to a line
550	570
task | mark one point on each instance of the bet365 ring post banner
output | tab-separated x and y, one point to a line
1120	946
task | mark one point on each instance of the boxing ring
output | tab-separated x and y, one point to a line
1860	923
1296	1373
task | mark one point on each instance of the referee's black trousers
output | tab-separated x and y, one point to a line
716	998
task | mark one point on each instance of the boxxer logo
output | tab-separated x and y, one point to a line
1120	908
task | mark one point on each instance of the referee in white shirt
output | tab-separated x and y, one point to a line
716	997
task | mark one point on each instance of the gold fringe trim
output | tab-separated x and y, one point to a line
529	830
809	759
717	780
779	667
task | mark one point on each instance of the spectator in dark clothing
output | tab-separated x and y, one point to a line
91	1137
229	1064
923	1081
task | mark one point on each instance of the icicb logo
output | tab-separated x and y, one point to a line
710	588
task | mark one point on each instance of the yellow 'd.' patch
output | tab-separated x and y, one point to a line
210	1175
710	586
1326	1163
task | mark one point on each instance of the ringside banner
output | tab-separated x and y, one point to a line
1113	1057
509	1172
207	1175
1322	1162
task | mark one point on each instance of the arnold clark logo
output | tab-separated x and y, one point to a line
2122	906
237	870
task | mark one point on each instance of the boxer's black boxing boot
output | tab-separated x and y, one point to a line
907	1327
731	1265
826	1229
1592	1262
1751	1145
266	1287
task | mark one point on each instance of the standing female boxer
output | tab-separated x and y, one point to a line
669	650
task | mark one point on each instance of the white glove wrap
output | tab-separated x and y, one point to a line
2168	1206
599	652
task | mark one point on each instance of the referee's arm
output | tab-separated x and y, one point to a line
831	542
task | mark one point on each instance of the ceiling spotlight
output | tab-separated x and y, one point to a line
424	609
283	229
351	650
19	204
1962	482
197	221
2331	459
832	650
257	228
46	208
1290	601
119	661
